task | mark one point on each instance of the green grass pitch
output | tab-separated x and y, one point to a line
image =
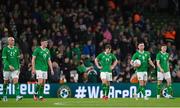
90	103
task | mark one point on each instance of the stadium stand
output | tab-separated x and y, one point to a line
78	29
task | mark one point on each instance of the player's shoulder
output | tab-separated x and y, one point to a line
47	49
102	53
137	52
167	53
15	47
112	54
147	52
5	47
37	48
159	53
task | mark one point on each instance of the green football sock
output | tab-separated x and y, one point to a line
41	90
159	89
170	91
37	86
139	89
143	90
5	89
107	90
104	89
17	91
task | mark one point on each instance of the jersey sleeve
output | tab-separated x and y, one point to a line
168	56
18	53
99	56
35	53
4	57
49	55
114	57
149	55
158	56
134	57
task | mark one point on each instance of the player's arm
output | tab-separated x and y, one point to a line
158	63
159	66
134	57
18	57
4	57
114	63
97	62
35	53
132	62
150	61
5	61
33	64
50	65
170	57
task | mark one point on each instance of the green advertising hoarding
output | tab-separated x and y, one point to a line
79	90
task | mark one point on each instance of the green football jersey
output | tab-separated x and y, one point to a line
163	60
144	58
106	60
11	56
42	57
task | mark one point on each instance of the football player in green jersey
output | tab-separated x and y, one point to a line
141	69
106	61
163	71
40	61
11	62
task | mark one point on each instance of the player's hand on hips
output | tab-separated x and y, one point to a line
11	68
112	67
100	67
161	70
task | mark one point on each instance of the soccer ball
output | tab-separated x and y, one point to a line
137	61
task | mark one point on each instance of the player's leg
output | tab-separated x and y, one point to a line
143	88
141	82
142	77
15	77
41	89
159	88
6	76
169	84
38	89
37	86
139	90
109	78
104	83
160	77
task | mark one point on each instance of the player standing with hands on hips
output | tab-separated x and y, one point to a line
11	62
141	70
40	61
106	62
163	71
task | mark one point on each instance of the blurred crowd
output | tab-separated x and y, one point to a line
77	31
